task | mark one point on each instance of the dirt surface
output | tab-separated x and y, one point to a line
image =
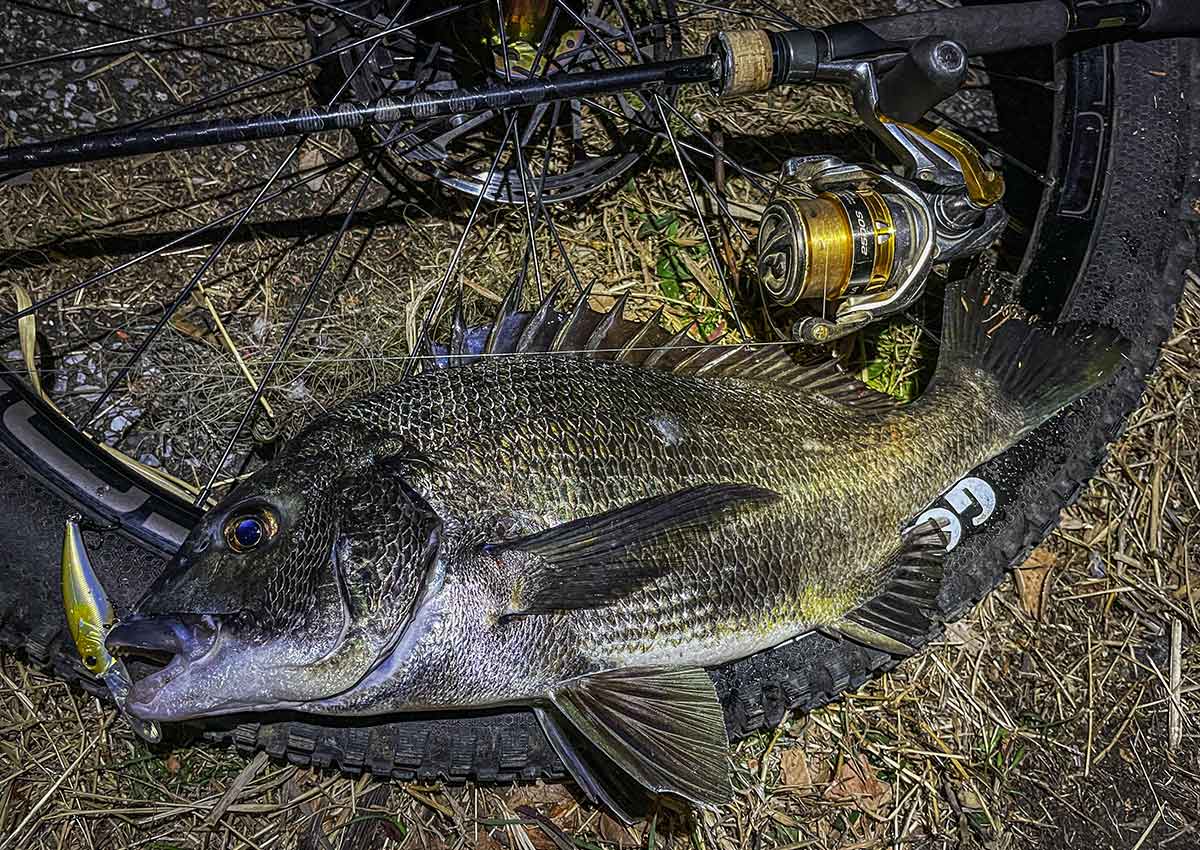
1044	719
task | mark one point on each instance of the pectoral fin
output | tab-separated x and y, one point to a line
593	561
898	620
662	728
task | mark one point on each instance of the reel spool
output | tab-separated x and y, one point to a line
840	244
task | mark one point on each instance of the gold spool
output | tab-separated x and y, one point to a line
828	247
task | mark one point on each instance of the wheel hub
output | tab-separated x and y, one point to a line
568	149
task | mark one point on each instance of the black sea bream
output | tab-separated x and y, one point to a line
575	514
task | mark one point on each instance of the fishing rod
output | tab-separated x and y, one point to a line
737	63
354	115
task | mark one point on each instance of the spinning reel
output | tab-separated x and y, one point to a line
840	244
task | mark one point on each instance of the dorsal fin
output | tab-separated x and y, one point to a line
459	356
703	355
584	332
633	351
596	342
543	317
662	356
578	325
502	325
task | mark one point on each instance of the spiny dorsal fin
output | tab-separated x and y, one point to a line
830	380
596	560
728	356
459	356
576	326
503	324
633	351
596	342
898	620
533	337
609	336
663	728
665	355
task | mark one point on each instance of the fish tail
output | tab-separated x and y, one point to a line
1037	369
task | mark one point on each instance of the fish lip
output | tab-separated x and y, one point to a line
174	642
143	700
177	636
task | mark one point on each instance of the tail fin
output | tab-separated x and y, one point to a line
1039	369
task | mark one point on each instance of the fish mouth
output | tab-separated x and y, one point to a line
169	644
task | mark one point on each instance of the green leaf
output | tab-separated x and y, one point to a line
668	281
666	222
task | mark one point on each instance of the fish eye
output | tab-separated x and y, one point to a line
247	531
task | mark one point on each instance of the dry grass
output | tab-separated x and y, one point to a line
1015	731
1071	726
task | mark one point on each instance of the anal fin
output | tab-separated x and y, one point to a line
898	620
662	728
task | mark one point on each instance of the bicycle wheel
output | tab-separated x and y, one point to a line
147	336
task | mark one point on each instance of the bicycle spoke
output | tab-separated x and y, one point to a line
712	249
135	39
192	108
590	30
531	236
752	177
185	293
717	197
979	66
670	135
422	342
980	141
208	49
550	225
779	13
714	7
304	178
628	30
281	349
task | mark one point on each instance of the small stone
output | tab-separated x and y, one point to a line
297	390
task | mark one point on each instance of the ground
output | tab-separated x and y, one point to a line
1059	713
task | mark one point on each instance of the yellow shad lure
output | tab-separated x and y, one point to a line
89	617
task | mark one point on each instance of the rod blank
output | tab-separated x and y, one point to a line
223	131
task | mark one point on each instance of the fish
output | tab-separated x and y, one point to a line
579	513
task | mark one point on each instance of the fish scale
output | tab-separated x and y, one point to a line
732	430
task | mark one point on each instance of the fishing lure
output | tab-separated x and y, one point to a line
90	615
